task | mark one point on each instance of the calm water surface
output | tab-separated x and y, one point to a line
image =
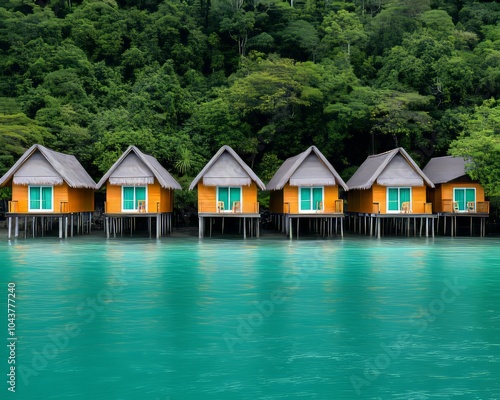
258	319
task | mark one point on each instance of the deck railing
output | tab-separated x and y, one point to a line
13	206
236	207
483	207
450	206
63	207
339	206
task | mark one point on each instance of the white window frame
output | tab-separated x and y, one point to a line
135	210
398	211
312	210
465	199
40	209
230	210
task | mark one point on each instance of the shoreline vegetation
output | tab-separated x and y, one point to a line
180	78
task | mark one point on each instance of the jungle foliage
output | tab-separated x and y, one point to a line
180	78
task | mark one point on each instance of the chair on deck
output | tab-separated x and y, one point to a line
456	208
141	205
220	206
236	206
471	206
319	206
405	207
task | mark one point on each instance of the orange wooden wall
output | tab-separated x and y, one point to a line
288	199
207	201
78	200
362	200
444	191
155	194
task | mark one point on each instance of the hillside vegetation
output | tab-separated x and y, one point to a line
181	78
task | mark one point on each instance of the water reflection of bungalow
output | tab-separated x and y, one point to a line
455	193
49	187
227	188
390	186
138	187
306	187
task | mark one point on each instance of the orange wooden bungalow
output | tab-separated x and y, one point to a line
455	193
137	186
306	186
227	188
47	186
390	185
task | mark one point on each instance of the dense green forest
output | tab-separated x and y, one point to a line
180	78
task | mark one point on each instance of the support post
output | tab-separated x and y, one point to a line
60	227
16	227
10	227
244	228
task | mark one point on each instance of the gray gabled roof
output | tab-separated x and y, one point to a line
287	169
445	169
237	158
164	178
66	165
373	166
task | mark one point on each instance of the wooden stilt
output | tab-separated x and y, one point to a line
9	229
223	225
16	227
298	220
200	227
244	228
60	227
470	226
210	226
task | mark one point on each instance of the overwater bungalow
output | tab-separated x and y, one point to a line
390	186
138	188
455	193
227	188
306	187
47	188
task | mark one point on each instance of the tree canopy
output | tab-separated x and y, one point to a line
180	78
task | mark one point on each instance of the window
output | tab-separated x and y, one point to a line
228	196
133	197
463	197
311	199
396	197
40	198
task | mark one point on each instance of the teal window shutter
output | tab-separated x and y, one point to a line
404	196
317	194
305	199
470	195
234	195
128	198
34	198
224	196
46	198
460	198
393	203
140	195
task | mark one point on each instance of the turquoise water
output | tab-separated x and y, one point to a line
259	319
